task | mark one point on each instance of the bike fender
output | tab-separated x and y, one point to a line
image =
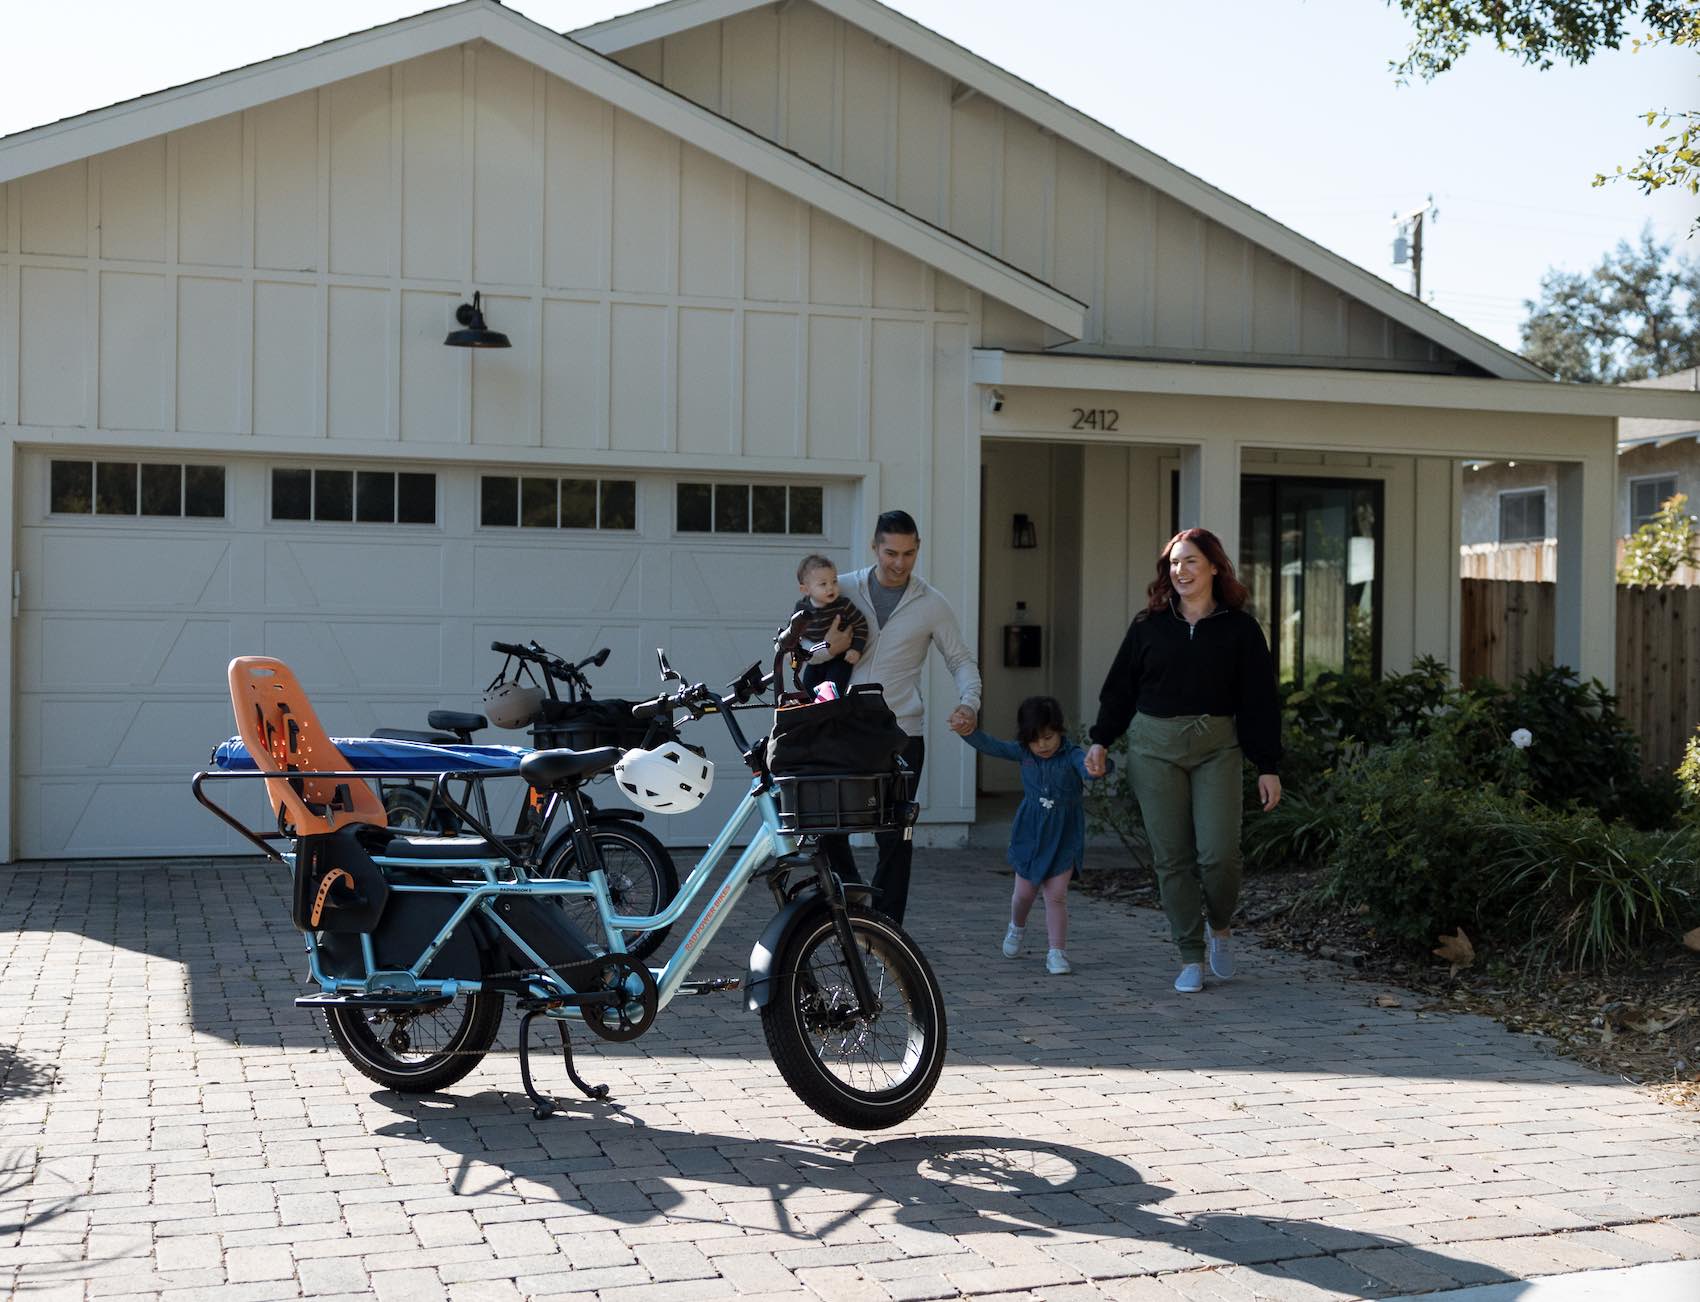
758	980
600	815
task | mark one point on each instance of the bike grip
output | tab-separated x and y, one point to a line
649	709
508	649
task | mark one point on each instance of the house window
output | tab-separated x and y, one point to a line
1646	496
354	496
1523	515
1310	554
135	488
750	508
539	502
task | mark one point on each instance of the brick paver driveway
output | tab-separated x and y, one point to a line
171	1126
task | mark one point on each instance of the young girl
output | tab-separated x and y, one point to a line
1049	832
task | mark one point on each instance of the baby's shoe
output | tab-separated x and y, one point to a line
1191	979
1056	962
1012	940
1220	953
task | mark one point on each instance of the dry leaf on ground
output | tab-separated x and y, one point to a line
1456	950
1692	938
1388	1001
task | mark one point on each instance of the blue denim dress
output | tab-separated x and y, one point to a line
1049	834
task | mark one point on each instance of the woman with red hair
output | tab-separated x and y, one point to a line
1195	681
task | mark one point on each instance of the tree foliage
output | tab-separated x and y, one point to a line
1635	315
1540	33
1662	546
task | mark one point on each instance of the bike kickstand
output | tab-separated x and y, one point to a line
542	1105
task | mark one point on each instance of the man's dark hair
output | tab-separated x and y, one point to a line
1038	714
895	522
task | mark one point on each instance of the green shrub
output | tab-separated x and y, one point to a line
1300	832
1688	775
1587	893
1408	844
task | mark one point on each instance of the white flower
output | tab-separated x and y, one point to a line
1521	738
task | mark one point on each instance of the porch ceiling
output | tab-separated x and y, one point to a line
1315	384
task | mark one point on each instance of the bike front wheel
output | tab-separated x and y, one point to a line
641	881
417	1051
863	1072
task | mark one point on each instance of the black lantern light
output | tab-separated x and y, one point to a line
475	333
1025	536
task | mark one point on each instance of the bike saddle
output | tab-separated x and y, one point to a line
456	721
545	769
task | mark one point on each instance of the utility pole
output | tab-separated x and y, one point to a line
1408	242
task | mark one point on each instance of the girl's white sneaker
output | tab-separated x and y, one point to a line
1012	940
1191	979
1056	962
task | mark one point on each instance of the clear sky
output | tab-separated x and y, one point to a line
1286	104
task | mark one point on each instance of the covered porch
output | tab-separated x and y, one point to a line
1339	492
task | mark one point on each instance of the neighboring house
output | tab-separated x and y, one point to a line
1509	525
767	270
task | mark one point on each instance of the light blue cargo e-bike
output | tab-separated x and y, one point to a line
415	940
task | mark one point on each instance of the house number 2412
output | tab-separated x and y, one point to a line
1099	418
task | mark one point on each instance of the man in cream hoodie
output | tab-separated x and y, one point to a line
906	617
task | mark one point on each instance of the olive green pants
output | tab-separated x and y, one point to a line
1186	775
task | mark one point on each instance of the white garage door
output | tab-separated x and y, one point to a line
382	586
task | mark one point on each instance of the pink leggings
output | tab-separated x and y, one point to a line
1056	905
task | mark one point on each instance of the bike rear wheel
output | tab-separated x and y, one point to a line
641	880
865	1073
413	1051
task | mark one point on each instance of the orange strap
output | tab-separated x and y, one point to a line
325	884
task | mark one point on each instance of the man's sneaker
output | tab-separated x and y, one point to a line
1056	963
1220	952
1012	940
1191	979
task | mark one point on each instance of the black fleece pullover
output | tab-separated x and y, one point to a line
1220	665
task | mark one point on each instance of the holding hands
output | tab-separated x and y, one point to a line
1097	760
962	720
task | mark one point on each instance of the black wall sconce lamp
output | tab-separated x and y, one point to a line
475	334
1024	535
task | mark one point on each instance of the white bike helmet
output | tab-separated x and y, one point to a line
670	779
511	705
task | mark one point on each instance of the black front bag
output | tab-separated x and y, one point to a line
857	733
588	724
838	767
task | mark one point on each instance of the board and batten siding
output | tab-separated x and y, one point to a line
1159	277
290	272
279	282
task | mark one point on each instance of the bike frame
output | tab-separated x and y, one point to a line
499	878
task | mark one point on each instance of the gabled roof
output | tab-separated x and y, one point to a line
986	78
169	110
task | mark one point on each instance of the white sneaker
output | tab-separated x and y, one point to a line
1056	962
1012	940
1221	955
1191	979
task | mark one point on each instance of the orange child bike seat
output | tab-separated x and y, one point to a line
280	730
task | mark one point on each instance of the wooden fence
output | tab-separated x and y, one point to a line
1507	629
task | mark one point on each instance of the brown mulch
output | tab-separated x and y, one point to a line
1639	1023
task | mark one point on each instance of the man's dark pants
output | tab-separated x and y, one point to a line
891	875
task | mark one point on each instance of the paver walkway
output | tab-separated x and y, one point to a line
171	1125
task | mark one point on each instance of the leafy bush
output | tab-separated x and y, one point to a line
1586	892
1408	842
1662	546
1688	775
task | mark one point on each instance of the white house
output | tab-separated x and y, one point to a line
767	270
1507	518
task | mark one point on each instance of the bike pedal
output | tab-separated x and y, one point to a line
711	986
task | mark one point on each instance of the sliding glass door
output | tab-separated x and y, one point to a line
1310	552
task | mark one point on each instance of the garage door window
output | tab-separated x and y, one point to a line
750	508
354	496
535	502
135	489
